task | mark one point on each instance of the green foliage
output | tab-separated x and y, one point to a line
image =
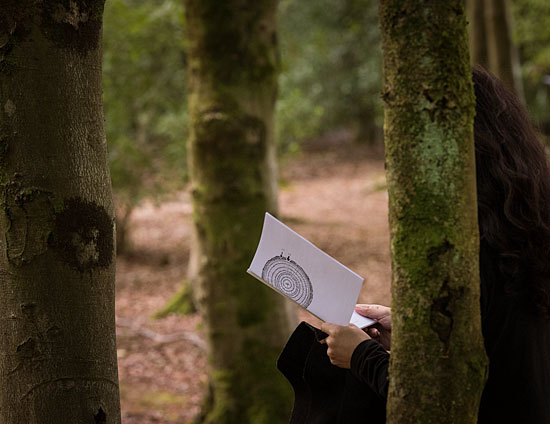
532	32
331	74
144	88
331	78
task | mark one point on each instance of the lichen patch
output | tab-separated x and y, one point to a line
86	249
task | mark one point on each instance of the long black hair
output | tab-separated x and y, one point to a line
513	188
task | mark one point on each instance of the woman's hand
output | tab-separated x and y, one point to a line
381	331
341	342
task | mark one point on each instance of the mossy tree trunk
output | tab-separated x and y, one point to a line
233	64
477	32
438	363
57	345
503	57
184	301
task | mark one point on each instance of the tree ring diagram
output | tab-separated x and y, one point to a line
289	278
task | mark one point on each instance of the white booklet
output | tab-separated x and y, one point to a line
294	267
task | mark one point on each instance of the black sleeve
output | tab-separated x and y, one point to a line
369	364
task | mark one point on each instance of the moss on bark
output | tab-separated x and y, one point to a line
438	362
233	65
181	303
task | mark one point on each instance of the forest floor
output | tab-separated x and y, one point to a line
333	194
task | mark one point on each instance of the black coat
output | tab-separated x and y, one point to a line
517	344
326	394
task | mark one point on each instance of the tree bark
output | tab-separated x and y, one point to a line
438	363
233	65
477	32
503	56
57	349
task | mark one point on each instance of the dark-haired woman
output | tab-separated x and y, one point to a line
513	190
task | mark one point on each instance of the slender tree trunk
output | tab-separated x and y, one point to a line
438	363
57	348
123	213
186	301
233	64
368	133
502	53
477	32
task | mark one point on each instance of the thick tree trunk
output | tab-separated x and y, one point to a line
57	345
477	32
502	53
438	362
233	64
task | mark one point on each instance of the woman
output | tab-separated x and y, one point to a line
513	188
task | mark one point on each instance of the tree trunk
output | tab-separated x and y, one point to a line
368	133
438	363
123	213
233	65
57	349
477	32
186	301
502	53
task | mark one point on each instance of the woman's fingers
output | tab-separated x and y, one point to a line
341	342
329	328
375	312
373	333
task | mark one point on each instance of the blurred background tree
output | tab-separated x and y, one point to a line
510	38
532	32
502	50
233	71
144	89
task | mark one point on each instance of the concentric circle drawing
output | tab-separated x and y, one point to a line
289	278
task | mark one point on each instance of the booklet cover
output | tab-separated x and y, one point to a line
296	268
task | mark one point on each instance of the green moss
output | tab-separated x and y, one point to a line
431	184
180	304
252	391
223	48
255	303
233	65
139	400
224	405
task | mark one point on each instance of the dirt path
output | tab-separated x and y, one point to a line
335	197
